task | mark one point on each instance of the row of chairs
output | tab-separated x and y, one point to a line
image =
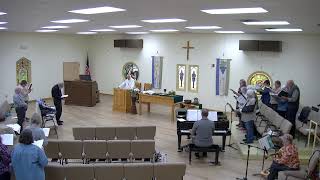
132	171
112	133
268	118
111	150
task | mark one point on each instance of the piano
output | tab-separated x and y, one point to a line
184	127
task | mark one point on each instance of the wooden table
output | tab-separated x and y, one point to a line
156	99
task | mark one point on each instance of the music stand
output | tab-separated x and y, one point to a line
230	126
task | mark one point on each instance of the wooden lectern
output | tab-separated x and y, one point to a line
81	93
121	100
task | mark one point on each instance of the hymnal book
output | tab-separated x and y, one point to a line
7	139
64	96
38	143
283	94
15	127
195	115
46	131
241	101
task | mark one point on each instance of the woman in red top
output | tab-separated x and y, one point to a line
287	158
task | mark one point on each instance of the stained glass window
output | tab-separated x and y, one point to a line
258	78
23	70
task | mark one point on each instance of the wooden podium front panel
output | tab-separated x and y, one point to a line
81	93
121	100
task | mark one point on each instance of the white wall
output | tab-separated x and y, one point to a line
47	53
299	61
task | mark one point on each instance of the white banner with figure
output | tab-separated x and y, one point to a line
222	76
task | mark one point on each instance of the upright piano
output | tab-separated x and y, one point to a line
184	127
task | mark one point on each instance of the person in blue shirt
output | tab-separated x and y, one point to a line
265	98
28	160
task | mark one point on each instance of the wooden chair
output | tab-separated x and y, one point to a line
137	85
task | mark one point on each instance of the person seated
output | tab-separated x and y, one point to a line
202	132
287	158
28	160
129	83
36	129
248	115
5	160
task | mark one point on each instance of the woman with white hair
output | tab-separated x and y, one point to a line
287	158
248	115
20	106
36	129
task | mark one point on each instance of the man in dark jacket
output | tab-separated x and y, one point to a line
57	100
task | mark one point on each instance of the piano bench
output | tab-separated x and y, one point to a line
213	148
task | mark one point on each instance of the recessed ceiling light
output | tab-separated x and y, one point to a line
284	30
3	28
265	22
230	32
203	27
2	13
172	20
97	10
164	30
55	27
3	22
136	32
47	30
67	21
103	30
86	32
236	11
125	26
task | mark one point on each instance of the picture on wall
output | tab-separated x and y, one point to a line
157	62
222	77
193	82
181	75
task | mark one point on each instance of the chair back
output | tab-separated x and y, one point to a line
52	149
140	171
126	133
79	172
84	133
54	171
147	86
109	172
71	149
95	149
119	149
143	149
169	171
146	132
105	133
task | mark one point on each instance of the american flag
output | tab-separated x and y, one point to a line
87	66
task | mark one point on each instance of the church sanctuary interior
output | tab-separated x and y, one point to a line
159	89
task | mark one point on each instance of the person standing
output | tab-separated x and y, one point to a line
20	106
57	100
276	90
129	83
265	93
293	104
248	115
28	160
25	90
5	160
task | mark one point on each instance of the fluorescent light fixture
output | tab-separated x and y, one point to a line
3	22
67	21
103	30
173	20
47	30
55	27
2	13
136	32
86	32
125	26
236	11
265	23
203	27
229	32
284	30
164	30
97	10
3	28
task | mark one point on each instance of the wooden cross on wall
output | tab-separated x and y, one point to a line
188	47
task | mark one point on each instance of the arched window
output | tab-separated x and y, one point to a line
23	70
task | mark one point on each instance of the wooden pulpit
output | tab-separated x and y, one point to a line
121	100
81	93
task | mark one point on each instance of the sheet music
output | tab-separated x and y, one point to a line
213	116
38	143
46	131
64	96
266	142
193	114
7	139
241	100
15	127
